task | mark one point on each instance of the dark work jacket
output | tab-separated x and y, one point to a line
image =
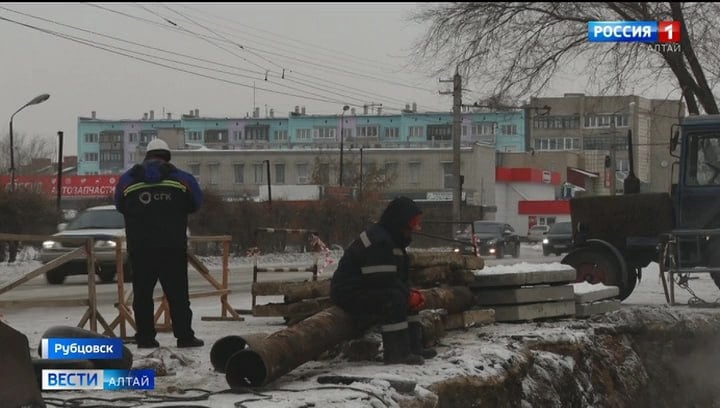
155	197
377	258
372	261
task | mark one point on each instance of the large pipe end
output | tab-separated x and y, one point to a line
246	369
223	349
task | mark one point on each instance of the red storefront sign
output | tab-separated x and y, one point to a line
72	186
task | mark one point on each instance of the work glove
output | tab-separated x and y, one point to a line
416	301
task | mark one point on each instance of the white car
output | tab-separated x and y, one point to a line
104	224
537	233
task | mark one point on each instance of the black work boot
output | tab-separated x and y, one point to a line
396	349
190	342
417	345
146	342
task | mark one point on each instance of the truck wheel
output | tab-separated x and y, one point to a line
598	265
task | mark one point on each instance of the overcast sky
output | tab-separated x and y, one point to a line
332	55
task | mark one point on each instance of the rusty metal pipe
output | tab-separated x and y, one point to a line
287	349
283	351
224	348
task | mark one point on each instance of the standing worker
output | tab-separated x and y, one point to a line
155	197
371	283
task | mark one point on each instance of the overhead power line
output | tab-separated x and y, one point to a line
330	68
321	87
88	43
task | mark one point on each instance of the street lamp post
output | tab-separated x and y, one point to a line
38	99
342	138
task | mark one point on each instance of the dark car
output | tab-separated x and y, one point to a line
559	239
492	237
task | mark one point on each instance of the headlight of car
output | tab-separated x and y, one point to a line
105	244
51	245
545	241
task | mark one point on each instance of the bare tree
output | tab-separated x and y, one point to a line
373	181
26	149
516	49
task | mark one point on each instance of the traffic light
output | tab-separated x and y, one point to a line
607	162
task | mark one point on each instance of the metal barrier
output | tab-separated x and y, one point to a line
261	289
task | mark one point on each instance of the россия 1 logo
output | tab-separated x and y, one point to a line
634	31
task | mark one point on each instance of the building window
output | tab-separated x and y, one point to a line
556	122
367	131
237	135
303	133
508	129
448	175
258	173
324	173
259	132
214	173
239	170
302	173
546	220
133	137
417	132
324	133
414	170
91	157
91	138
195	170
280	173
195	136
483	129
606	120
347	132
392	133
281	135
557	143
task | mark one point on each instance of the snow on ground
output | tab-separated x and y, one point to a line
482	351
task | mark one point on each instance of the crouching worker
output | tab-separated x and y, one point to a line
371	282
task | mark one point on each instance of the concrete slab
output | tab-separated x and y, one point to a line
533	311
587	293
512	278
589	309
529	294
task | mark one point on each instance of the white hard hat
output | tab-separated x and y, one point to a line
157	144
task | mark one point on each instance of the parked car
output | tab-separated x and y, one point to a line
559	239
537	233
492	237
104	224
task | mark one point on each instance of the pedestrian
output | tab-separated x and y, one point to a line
156	198
371	283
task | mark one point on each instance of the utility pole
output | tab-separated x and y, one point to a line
457	119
